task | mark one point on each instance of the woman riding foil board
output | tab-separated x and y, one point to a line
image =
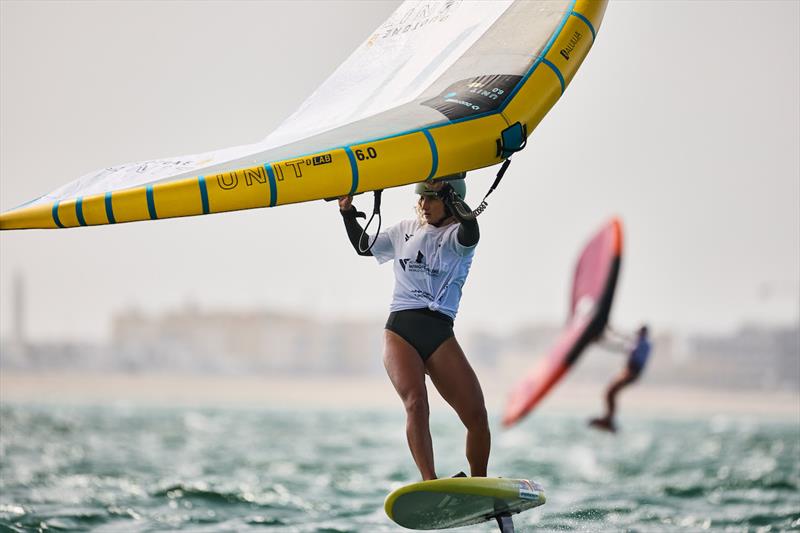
432	256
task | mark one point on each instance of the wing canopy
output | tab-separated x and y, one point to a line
427	94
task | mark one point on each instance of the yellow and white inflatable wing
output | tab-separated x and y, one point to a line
439	88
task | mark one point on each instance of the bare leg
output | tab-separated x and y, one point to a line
455	380
616	386
407	373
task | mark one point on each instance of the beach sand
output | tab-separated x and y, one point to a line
371	392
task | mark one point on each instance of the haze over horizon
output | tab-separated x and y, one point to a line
681	121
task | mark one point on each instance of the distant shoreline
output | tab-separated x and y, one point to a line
369	392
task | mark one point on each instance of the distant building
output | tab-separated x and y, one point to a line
752	357
55	356
238	342
192	340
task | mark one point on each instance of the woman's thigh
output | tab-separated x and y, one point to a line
454	378
404	367
625	378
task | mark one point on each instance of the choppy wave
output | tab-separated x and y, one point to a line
111	469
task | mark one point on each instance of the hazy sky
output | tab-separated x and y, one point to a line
684	120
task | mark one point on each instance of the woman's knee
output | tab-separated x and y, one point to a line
476	418
612	393
416	403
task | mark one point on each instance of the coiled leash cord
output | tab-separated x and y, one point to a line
376	210
472	215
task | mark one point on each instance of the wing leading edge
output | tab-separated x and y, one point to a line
462	99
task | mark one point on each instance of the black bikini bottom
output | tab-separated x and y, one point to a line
423	329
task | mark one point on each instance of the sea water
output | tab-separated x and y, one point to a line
126	469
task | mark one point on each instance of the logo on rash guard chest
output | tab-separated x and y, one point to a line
418	265
420	259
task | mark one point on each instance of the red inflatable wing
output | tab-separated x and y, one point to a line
592	294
